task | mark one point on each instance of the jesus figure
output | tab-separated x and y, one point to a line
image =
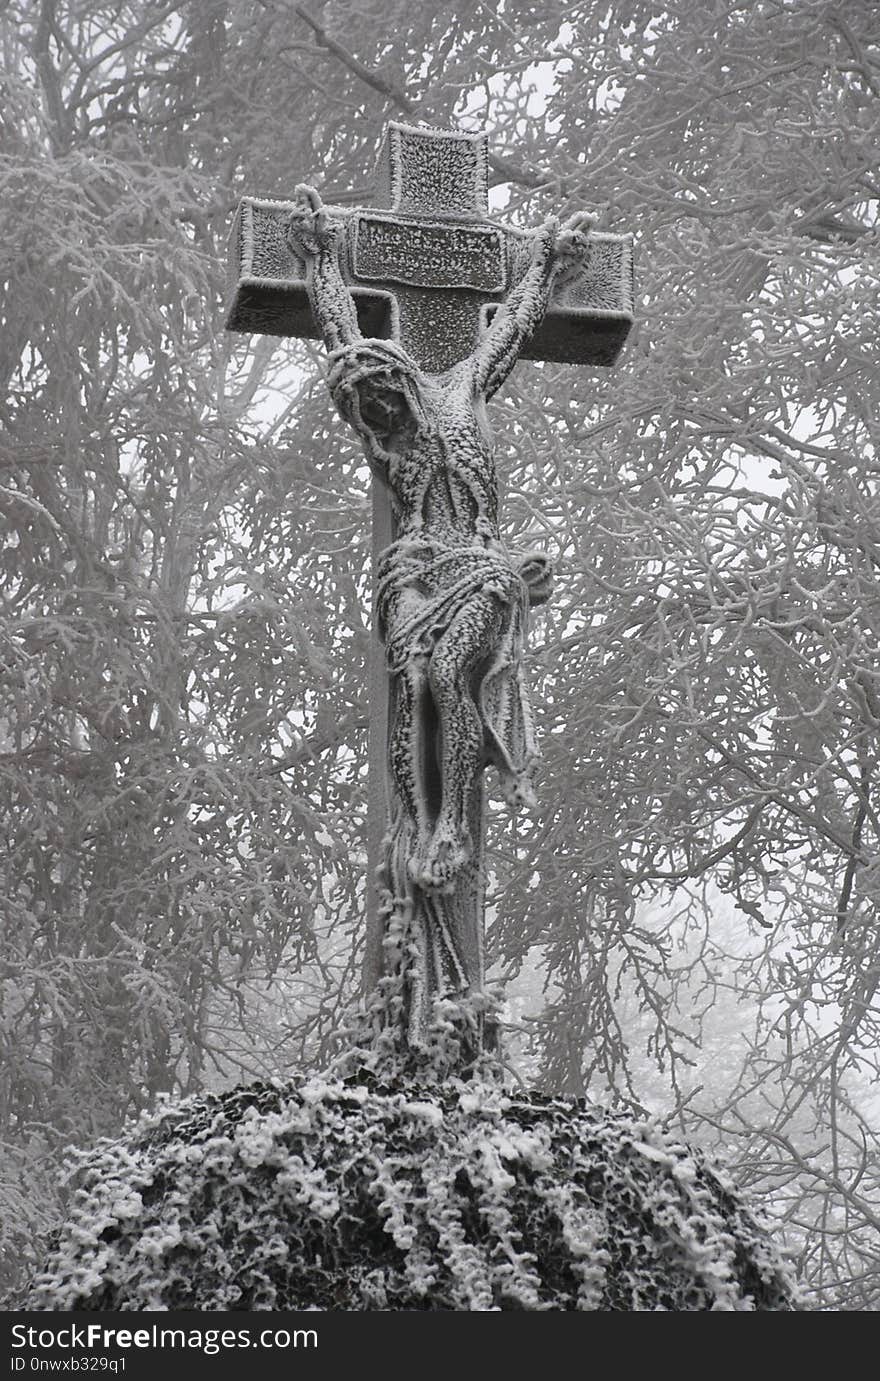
452	600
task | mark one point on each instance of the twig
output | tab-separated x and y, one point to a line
365	74
509	170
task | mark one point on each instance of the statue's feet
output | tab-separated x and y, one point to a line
447	853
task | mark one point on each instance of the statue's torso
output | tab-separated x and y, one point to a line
444	483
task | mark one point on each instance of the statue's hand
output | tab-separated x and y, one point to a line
536	573
571	242
562	247
310	230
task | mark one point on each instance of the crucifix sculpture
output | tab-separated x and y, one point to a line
424	309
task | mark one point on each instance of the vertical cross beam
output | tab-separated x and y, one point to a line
435	237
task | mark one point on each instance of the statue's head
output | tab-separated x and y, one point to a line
379	390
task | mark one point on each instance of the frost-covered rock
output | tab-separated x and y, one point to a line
330	1194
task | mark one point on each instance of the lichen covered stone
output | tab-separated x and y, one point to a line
353	1194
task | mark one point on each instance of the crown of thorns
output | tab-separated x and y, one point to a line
376	368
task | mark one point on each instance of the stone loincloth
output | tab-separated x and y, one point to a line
447	578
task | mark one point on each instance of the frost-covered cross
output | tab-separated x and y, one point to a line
425	307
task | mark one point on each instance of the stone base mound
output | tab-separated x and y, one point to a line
327	1194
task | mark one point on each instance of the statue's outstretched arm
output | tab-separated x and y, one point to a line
521	314
316	238
374	383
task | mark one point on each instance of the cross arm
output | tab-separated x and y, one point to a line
587	318
268	276
572	303
590	311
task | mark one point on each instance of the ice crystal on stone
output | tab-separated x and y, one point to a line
435	169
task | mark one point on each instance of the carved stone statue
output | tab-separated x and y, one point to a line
424	309
452	599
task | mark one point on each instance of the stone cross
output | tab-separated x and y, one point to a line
428	270
458	296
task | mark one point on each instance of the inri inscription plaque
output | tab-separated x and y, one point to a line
429	254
